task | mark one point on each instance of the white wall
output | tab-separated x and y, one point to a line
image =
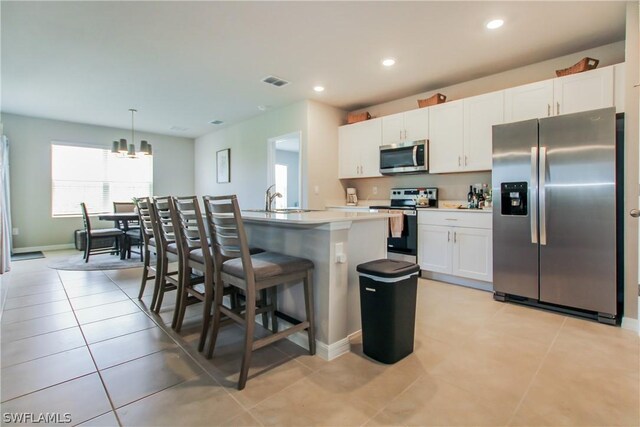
30	163
247	140
322	155
248	143
608	55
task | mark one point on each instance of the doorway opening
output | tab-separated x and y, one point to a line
285	169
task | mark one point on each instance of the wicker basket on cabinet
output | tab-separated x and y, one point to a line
585	64
438	98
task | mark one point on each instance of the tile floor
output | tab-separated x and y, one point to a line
81	343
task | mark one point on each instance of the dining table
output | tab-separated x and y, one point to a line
122	219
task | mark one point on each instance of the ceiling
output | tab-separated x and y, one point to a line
184	64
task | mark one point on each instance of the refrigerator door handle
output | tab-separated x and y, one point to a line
533	195
542	191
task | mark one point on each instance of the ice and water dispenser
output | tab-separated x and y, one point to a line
513	198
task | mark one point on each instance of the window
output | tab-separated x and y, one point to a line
97	177
281	186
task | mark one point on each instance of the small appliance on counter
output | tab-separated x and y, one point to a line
352	199
402	243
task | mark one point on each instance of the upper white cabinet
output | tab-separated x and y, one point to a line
565	95
408	126
460	133
446	137
583	91
359	149
528	102
480	114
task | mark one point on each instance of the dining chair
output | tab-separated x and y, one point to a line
115	233
237	267
132	228
166	280
145	206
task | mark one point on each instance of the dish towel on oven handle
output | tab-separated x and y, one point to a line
396	223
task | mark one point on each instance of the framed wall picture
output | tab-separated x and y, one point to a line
223	162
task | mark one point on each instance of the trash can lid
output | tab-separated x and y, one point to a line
388	268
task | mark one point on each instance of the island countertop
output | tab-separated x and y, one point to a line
312	217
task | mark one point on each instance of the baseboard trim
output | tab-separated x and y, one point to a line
43	248
630	324
455	280
324	351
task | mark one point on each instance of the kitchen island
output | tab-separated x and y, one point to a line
336	242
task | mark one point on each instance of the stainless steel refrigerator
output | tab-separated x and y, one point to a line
555	213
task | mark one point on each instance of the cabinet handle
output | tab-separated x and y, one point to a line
454	236
459	163
548	110
448	236
557	108
465	160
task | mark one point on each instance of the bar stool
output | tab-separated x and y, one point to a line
144	206
166	280
193	254
235	266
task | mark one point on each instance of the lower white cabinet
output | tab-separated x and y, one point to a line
458	244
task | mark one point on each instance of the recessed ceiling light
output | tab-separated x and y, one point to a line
318	88
264	107
388	62
495	23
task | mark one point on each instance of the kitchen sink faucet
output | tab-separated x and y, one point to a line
268	199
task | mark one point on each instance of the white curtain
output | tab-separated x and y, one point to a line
5	207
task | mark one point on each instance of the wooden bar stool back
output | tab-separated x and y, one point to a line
166	280
236	266
194	254
144	206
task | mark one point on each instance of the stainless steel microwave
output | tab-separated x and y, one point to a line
405	157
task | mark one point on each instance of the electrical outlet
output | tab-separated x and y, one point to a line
374	190
316	190
15	231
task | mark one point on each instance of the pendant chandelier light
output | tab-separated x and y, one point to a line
122	149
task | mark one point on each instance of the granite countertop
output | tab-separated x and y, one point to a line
313	217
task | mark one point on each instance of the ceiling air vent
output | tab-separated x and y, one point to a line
216	122
275	81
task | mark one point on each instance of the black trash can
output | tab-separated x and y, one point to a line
388	308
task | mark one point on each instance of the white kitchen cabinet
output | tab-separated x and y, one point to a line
472	253
563	95
460	133
583	91
530	101
359	149
480	114
446	137
435	248
408	126
456	243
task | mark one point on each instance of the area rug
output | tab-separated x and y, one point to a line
96	262
27	255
